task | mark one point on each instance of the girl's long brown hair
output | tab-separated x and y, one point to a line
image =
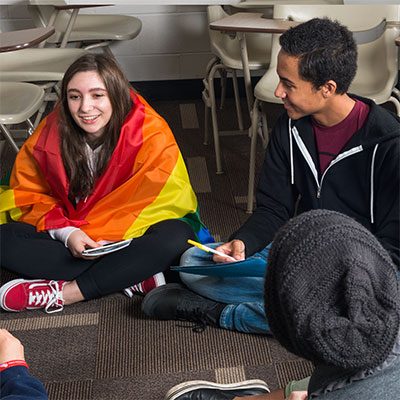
73	138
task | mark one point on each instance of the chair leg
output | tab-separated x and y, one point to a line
107	51
396	104
210	64
252	167
264	133
237	100
103	45
395	100
223	75
51	94
206	122
214	69
206	98
57	89
31	128
9	138
39	114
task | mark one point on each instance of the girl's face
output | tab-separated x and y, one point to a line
88	103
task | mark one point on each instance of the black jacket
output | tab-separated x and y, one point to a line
362	182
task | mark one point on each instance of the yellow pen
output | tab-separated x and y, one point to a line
209	249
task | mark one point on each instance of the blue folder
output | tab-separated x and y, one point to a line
252	266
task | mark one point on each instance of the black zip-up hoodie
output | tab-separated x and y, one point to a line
361	182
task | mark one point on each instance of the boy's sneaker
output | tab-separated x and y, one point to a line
22	294
146	286
206	390
176	302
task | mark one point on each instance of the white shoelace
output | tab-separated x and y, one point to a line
52	297
130	291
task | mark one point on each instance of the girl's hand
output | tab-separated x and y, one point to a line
79	241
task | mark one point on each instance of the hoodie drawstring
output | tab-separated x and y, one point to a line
371	203
291	153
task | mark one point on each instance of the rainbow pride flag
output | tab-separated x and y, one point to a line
145	182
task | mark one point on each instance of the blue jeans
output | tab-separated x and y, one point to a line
244	296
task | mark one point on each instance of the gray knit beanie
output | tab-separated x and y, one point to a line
332	292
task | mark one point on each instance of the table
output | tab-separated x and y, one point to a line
240	23
22	39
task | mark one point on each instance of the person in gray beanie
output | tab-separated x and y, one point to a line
333	297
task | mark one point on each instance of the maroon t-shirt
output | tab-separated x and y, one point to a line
331	139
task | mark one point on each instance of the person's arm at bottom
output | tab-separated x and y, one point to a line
15	381
17	384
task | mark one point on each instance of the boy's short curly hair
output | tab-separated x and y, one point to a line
326	51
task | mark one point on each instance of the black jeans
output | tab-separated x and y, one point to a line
36	255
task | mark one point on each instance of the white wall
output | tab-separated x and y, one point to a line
173	43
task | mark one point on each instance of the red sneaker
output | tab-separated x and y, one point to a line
146	286
22	294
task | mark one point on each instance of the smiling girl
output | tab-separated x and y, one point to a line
102	167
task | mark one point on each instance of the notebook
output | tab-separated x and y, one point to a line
252	266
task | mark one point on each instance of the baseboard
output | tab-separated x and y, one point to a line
184	89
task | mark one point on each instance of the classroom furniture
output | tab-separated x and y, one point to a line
22	39
19	101
240	25
44	67
227	59
88	31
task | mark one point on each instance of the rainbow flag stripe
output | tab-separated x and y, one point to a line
145	182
